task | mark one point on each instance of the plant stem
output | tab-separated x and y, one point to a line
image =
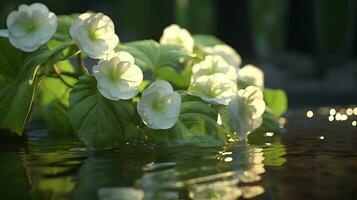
65	73
58	73
80	63
62	80
70	74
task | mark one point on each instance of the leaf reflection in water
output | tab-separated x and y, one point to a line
202	174
58	169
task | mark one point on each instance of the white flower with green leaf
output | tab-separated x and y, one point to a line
252	75
214	65
245	111
226	52
118	77
30	26
174	34
96	108
215	89
159	106
94	33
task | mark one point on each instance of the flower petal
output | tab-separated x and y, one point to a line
117	79
31	26
159	106
95	34
174	34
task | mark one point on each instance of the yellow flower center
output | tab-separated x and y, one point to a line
94	34
158	103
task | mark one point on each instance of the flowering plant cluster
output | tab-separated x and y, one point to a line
183	89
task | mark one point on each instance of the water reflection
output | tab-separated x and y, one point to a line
13	181
63	169
314	159
50	165
201	174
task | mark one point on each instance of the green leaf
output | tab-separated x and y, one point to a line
196	125
19	81
276	100
100	122
150	55
202	41
180	80
64	22
2	78
52	94
18	87
52	88
15	104
270	123
62	50
56	118
206	40
10	60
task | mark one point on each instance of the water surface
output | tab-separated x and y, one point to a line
315	158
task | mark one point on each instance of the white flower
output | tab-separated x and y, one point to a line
159	106
121	54
94	33
226	52
118	77
174	34
216	88
213	65
245	111
252	75
31	26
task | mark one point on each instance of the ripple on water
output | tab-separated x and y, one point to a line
297	164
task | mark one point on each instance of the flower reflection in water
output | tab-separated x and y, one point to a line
45	168
61	169
198	176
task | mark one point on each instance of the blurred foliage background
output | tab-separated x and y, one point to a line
306	47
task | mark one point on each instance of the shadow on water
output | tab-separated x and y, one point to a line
313	159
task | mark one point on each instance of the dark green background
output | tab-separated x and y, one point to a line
306	47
